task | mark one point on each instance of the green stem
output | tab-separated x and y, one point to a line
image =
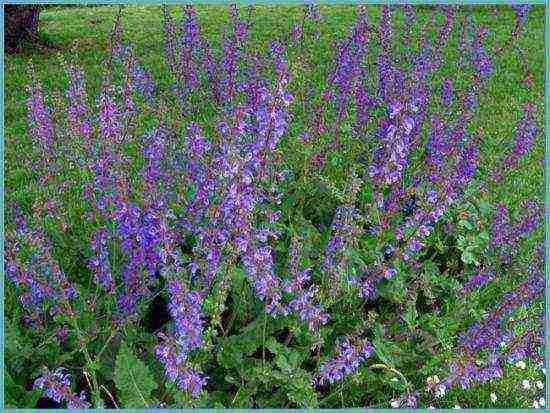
95	386
393	370
106	343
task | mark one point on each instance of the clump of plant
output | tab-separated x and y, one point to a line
282	227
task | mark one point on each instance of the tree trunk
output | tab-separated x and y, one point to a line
20	22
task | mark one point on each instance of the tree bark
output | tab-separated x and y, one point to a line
20	22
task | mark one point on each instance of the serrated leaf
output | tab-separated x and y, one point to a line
282	363
133	379
13	392
17	396
274	346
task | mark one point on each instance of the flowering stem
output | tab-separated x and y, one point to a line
95	386
393	370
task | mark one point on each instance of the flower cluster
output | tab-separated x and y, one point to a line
409	399
57	386
185	308
247	151
344	232
526	131
304	298
40	280
497	334
505	236
348	356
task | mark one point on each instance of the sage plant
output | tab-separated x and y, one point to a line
307	217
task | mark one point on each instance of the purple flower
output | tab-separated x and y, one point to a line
240	27
39	116
480	59
478	279
57	386
39	278
304	305
447	92
110	118
296	33
191	381
185	309
390	273
77	110
169	41
522	10
409	399
499	337
526	132
344	232
177	368
346	361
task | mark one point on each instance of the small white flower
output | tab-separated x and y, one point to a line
457	407
535	404
539	384
521	365
430	407
395	403
440	391
432	380
526	384
542	402
493	397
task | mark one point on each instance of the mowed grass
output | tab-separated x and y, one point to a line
81	35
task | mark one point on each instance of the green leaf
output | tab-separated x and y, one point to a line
301	391
12	338
461	242
93	365
336	160
484	207
410	317
466	224
484	236
468	257
133	379
13	392
17	396
17	351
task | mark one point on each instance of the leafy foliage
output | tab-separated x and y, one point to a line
134	381
312	208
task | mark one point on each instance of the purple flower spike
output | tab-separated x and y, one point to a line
346	361
57	386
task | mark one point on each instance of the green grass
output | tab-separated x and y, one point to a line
81	35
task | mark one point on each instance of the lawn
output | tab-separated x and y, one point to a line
240	373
